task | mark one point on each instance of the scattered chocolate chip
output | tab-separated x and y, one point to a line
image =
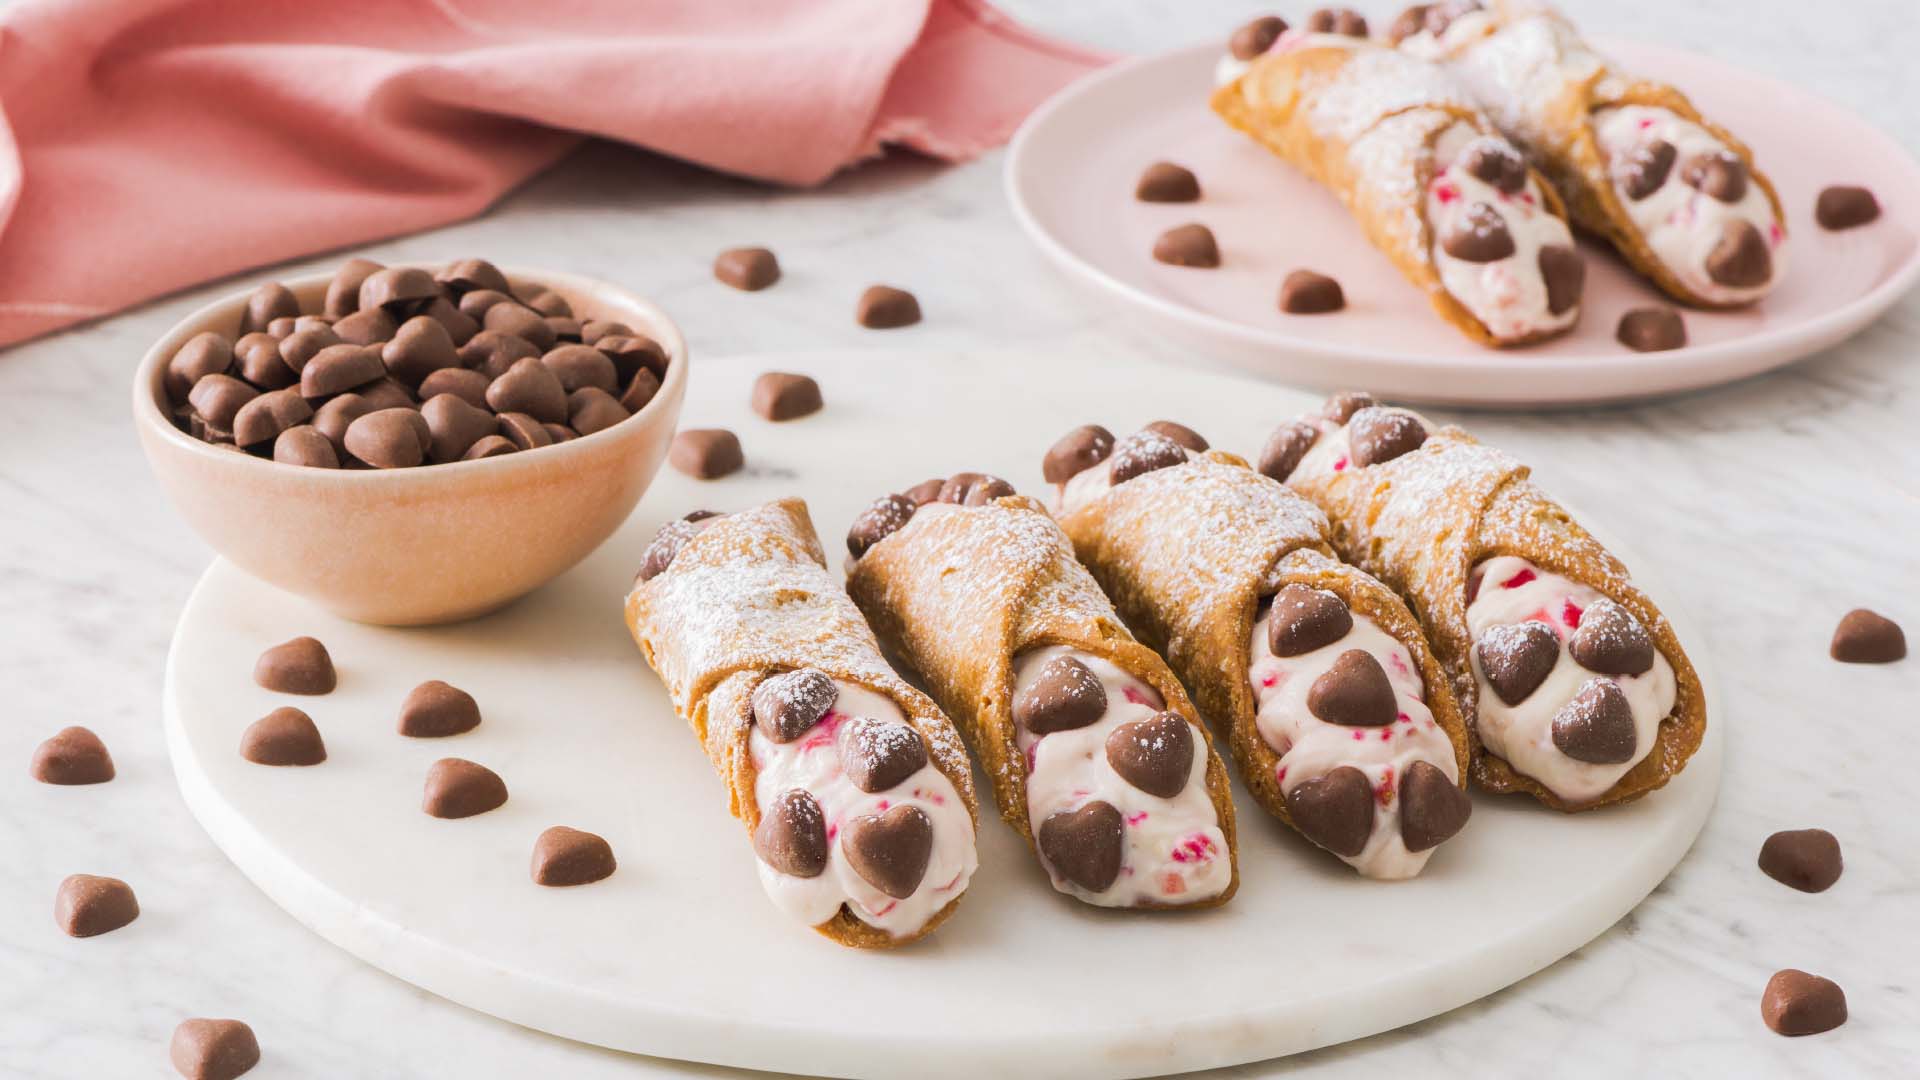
880	754
973	489
1154	755
1432	808
1796	1003
1498	164
285	736
299	666
466	275
458	788
882	518
749	269
780	395
1165	182
640	390
1084	846
1378	435
398	289
218	398
883	307
1866	637
890	850
468	386
270	301
1253	39
1720	173
520	321
492	353
1286	447
792	837
1082	448
258	357
343	293
1805	859
1652	329
1597	725
434	710
1337	21
1844	207
420	347
706	453
390	438
1065	695
1644	170
1187	245
1611	641
1305	292
305	446
581	365
204	354
1517	657
205	1049
564	857
265	417
339	368
491	446
72	756
87	906
1304	619
529	387
1741	259
366	328
1565	274
524	432
1478	234
787	705
926	491
1334	810
1143	452
1354	692
590	409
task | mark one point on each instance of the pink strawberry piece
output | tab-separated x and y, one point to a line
1358	735
1134	695
1280	775
1135	819
1570	614
1525	575
1445	192
1386	734
1268	681
1172	884
1340	465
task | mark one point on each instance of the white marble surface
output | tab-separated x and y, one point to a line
1773	505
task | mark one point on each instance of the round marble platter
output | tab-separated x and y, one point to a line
679	954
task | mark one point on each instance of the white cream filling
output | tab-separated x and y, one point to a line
1513	590
812	762
1681	223
1309	747
1175	851
1509	295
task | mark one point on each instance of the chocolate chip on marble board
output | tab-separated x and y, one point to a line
1596	726
305	446
285	736
1867	637
209	1049
1065	695
1165	182
217	399
1143	452
270	301
1565	275
1084	846
1082	448
882	518
466	275
788	705
564	857
1154	755
390	438
343	293
298	666
1804	859
203	354
1433	809
1190	245
591	409
1378	435
265	417
792	835
1651	329
783	395
458	788
1354	692
890	850
1644	170
1517	657
1334	810
257	355
581	365
1478	234
1741	258
879	755
1286	448
1255	37
973	489
1842	206
1304	618
1305	292
88	905
339	368
883	307
436	709
1611	641
1721	174
72	756
1798	1003
706	453
748	269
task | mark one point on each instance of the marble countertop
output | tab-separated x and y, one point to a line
1774	505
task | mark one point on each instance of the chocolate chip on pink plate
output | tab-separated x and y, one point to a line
1304	619
204	354
343	293
1334	810
883	307
258	357
788	705
1084	846
564	857
265	417
72	756
339	368
466	275
1143	452
748	269
1165	182
1565	275
1082	448
390	438
1497	164
1354	692
666	544
792	835
1805	859
87	905
305	446
1596	726
521	321
1741	259
1652	329
1477	234
882	518
270	301
581	365
1433	809
706	453
781	395
206	1049
1517	657
1065	695
1254	38
880	754
524	432
891	849
397	289
1866	637
1644	170
1337	21
218	399
1721	174
1611	641
530	387
973	489
1797	1003
1378	435
1154	755
591	409
285	736
1187	245
299	666
458	788
1305	292
435	710
1286	448
420	347
1842	206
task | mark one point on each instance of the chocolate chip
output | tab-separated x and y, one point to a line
467	275
1378	435
339	368
1187	245
474	305
882	518
1409	22
548	303
1651	329
434	710
1337	21
1154	755
258	357
593	330
522	322
749	269
883	307
285	736
1517	657
792	836
666	543
1305	292
524	432
1179	433
1597	725
338	414
591	409
420	347
468	386
397	289
305	446
530	387
973	489
1796	1003
880	754
301	346
581	365
640	390
1286	447
205	1049
87	906
1741	258
563	857
204	354
1143	452
633	353
1432	808
1719	173
299	666
492	353
265	417
390	438
780	395
1477	234
458	788
890	850
1084	846
1304	619
387	393
1844	207
1065	695
706	453
1611	641
1354	692
926	491
72	756
1866	637
1645	168
270	301
218	399
343	293
1805	859
1334	810
1340	407
1565	274
1256	37
566	329
1082	448
1498	164
366	328
787	705
491	446
1165	182
560	433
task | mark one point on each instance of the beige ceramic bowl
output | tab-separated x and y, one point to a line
433	544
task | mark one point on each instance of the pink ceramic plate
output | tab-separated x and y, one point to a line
1072	167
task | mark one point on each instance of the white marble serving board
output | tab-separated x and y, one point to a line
679	954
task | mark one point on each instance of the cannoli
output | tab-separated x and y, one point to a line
852	784
1339	717
1093	747
1576	686
1675	193
1431	182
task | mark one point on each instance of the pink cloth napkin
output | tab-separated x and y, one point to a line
146	145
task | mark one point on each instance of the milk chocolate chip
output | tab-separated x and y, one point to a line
299	666
1844	207
1154	755
1065	695
524	432
204	354
1721	174
1304	619
891	850
973	489
398	289
1805	859
74	755
339	368
926	491
792	836
1645	168
1305	292
218	399
1084	846
666	543
521	321
1378	435
1432	808
1517	657
640	390
466	275
1187	245
1652	329
1597	725
749	269
435	709
305	446
591	409
390	438
492	353
564	857
1354	692
458	788
343	293
455	426
268	302
1477	234
1334	810
258	357
1252	40
880	754
1165	182
882	518
1866	637
265	417
707	453
366	328
787	705
883	307
1179	433
577	366
419	348
285	736
491	446
1741	259
1497	164
1082	448
1340	407
468	386
1286	447
1143	452
1337	21
205	1049
1565	274
87	905
780	395
530	387
1611	641
634	353
1796	1003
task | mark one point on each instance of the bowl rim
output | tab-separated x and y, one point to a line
149	389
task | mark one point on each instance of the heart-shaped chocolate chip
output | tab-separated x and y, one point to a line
784	395
880	754
1304	619
1651	329
1844	206
265	417
748	269
1798	1003
366	328
1478	234
305	446
492	353
521	321
1306	292
300	666
434	710
300	347
419	348
1340	407
1344	21
787	705
219	398
1179	433
390	438
631	353
1165	182
1517	657
1611	641
1721	174
1286	447
466	275
564	857
890	850
926	491
1066	694
666	543
1596	726
1154	755
1143	452
973	489
883	307
474	304
529	387
1187	245
1252	40
455	425
1334	810
270	301
524	432
1741	258
581	365
1806	859
1432	807
458	788
1565	274
258	357
882	518
792	836
1354	692
1644	169
491	446
1084	846
1082	448
398	289
1867	637
591	409
285	736
468	386
1378	435
1496	163
74	755
343	293
205	1049
204	354
388	392
337	415
339	368
88	905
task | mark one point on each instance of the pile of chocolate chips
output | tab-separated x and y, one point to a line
404	367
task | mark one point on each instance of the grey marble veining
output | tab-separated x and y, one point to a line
1773	505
